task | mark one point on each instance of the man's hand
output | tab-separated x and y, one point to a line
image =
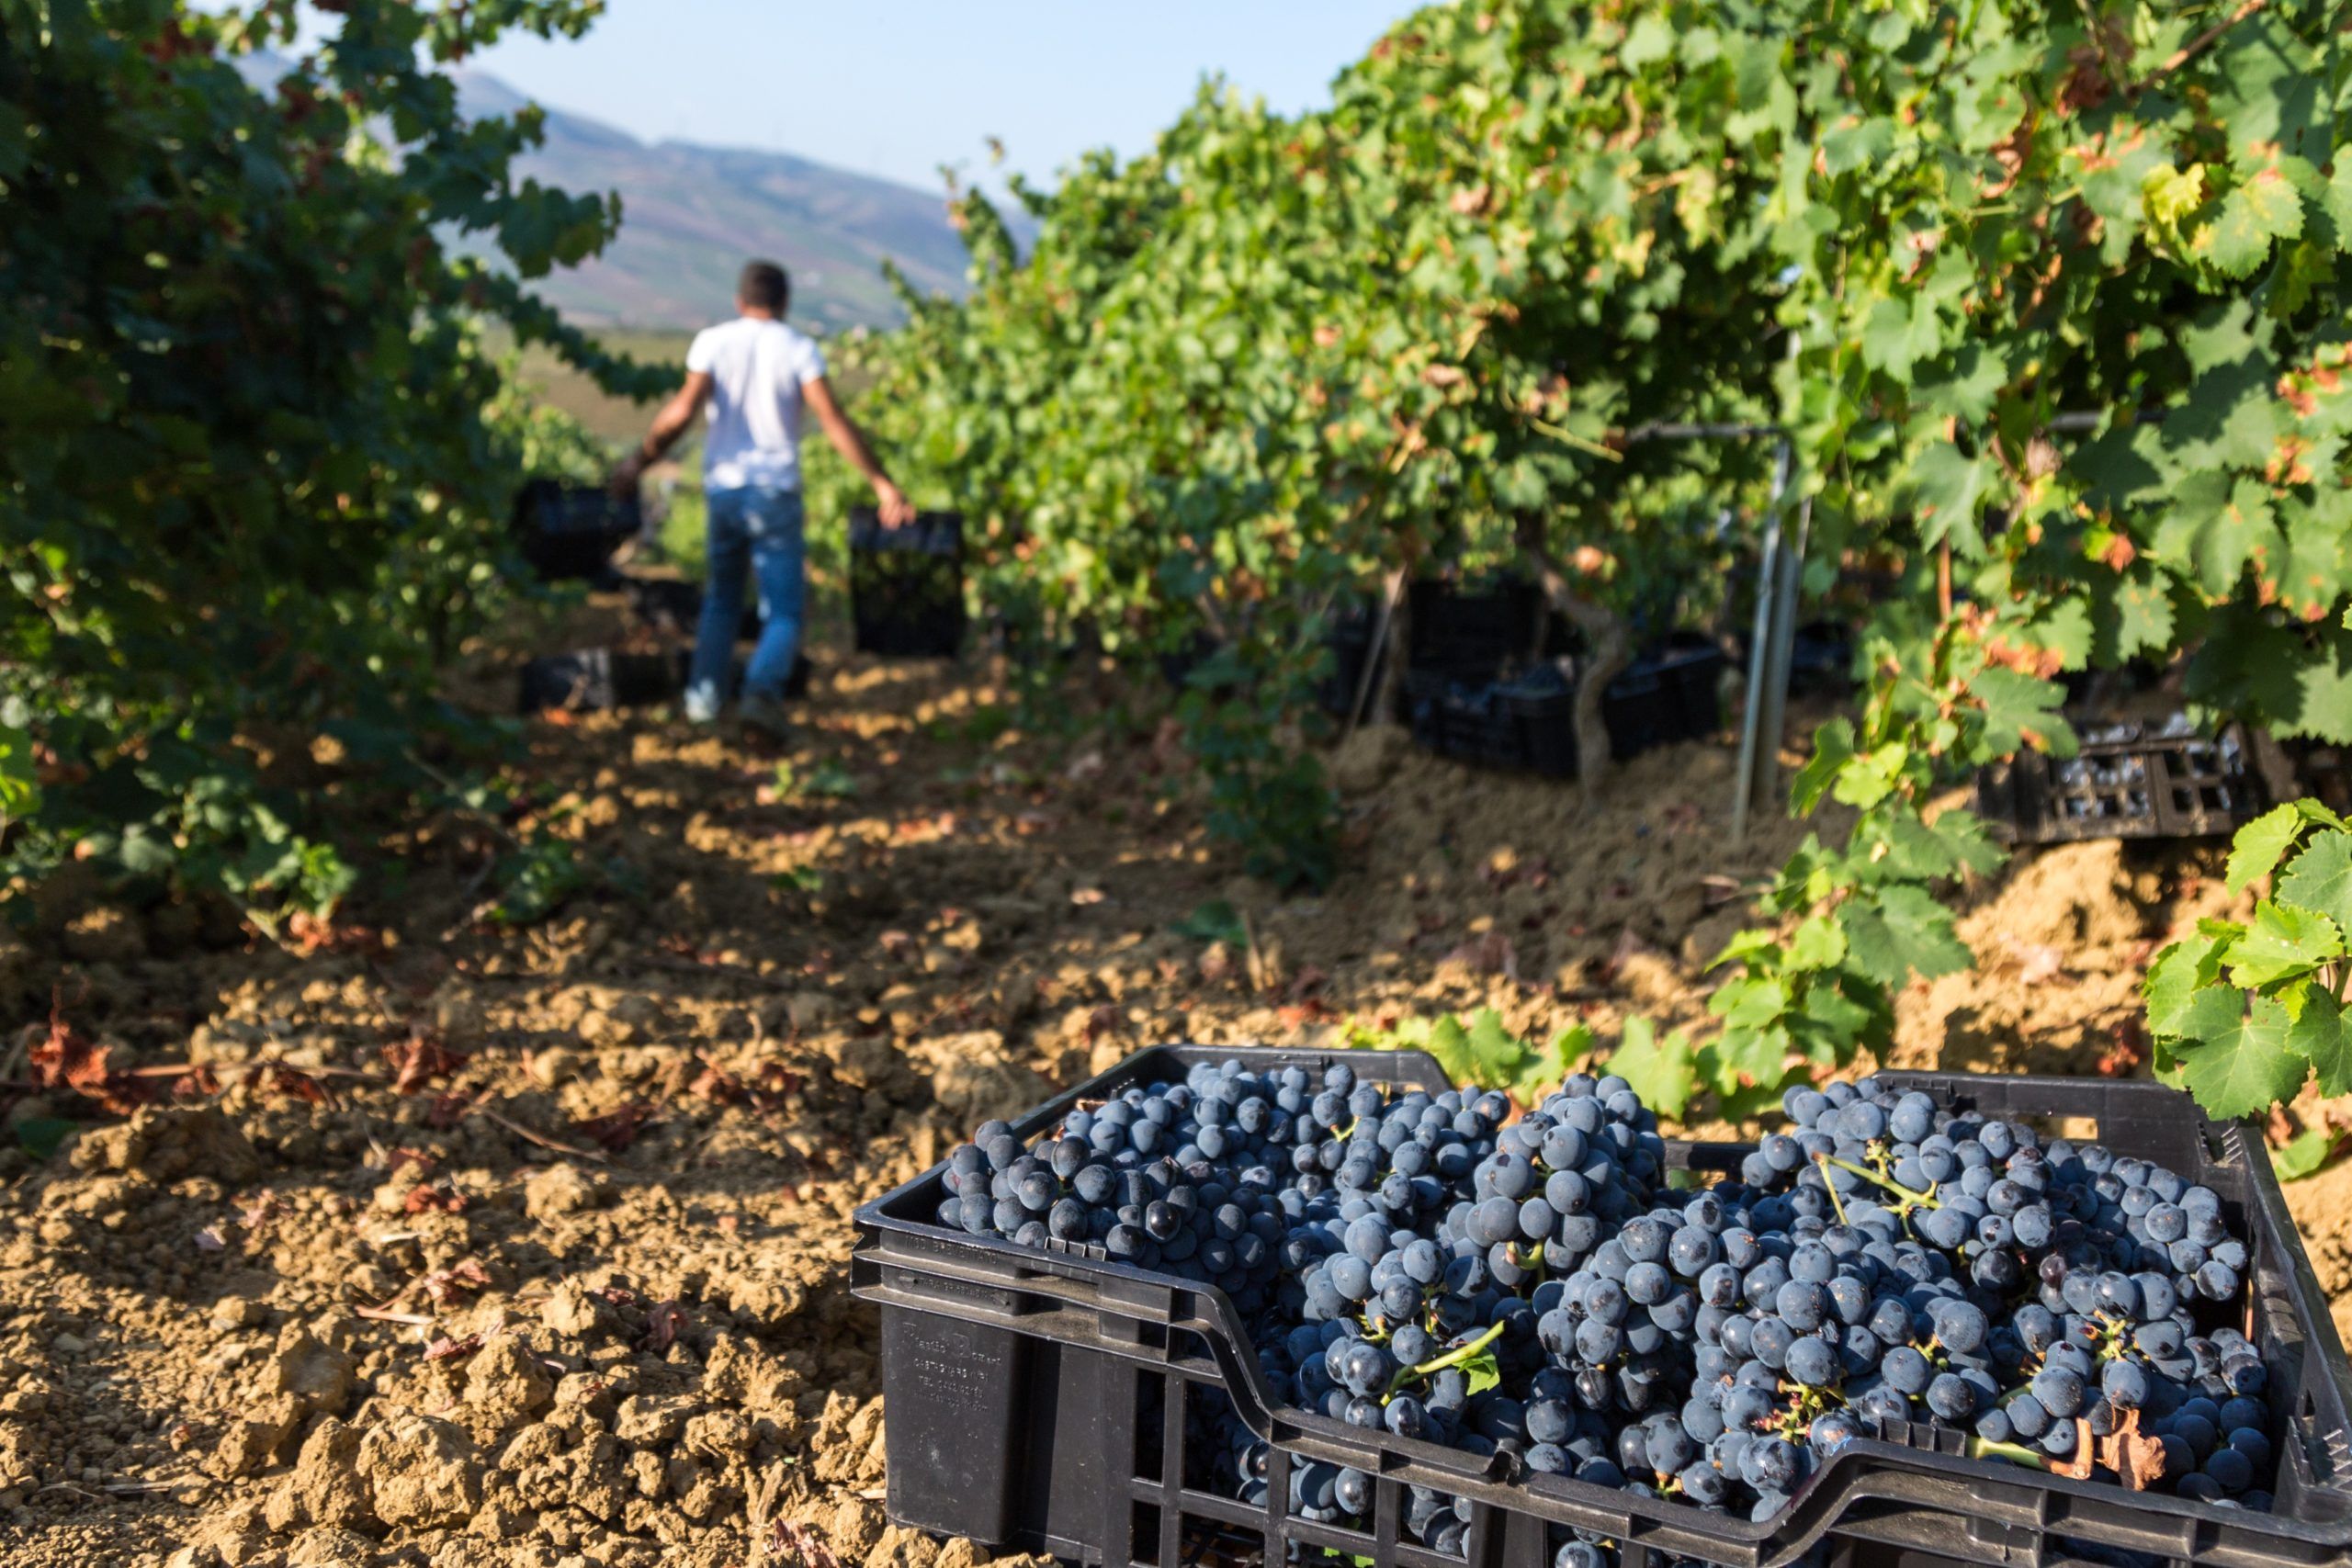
626	475
896	509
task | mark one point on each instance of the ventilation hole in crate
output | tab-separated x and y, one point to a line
1212	1463
1150	1425
1211	1543
1143	1543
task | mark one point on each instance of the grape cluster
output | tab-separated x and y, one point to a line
1432	1267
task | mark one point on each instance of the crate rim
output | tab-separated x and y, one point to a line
1818	1506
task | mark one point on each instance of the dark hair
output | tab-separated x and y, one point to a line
765	285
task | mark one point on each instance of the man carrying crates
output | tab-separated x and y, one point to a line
755	373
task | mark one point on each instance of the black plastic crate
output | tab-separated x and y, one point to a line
598	679
1351	642
906	584
674	608
570	531
1524	725
1476	631
1038	1401
2157	779
1546	729
1468	721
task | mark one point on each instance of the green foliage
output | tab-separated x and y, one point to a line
1254	369
1482	1053
260	464
19	784
536	879
827	780
2245	1015
2303	1155
1215	921
1663	1070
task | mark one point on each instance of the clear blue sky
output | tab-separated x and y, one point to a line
899	88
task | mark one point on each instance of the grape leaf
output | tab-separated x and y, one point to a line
1749	1003
1663	1070
2213	527
2303	1155
1833	743
19	787
1817	944
2264	208
1945	488
2321	1037
2320	878
1752	1055
2245	1065
1482	1373
2261	844
1486	1053
2281	942
2143	618
2017	706
2170	988
1904	932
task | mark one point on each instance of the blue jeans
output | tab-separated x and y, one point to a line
756	529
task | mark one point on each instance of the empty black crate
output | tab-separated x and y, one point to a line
2129	781
1039	1400
568	532
906	584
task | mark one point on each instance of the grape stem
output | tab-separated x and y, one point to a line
1453	1357
1836	1201
2016	1453
1910	1199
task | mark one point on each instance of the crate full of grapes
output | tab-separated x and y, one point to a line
1257	1306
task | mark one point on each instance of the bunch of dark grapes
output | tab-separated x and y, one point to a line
1425	1265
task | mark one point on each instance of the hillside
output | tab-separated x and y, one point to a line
693	213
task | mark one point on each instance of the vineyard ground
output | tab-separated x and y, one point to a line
529	1248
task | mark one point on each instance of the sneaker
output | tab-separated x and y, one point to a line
764	716
701	705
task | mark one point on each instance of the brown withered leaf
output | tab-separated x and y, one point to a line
616	1129
66	1058
421	1059
663	1322
444	1287
797	1545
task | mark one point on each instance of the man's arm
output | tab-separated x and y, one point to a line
850	442
677	416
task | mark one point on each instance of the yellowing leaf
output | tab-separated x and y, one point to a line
2173	194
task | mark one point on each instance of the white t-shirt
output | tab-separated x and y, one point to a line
757	368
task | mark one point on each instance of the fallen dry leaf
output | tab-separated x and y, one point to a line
662	1323
66	1058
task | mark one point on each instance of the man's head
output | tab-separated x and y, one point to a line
763	288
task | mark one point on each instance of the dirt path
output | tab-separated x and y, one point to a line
481	1247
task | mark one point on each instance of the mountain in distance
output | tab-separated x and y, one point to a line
692	215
